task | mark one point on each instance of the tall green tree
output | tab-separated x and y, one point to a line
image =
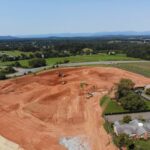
124	86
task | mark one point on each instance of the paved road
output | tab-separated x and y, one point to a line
113	118
22	71
100	63
147	97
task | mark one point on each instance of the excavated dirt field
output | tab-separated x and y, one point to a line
36	111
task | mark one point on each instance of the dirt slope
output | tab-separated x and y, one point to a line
37	111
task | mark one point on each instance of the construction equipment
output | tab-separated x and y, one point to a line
89	95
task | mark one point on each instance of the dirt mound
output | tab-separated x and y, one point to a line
38	110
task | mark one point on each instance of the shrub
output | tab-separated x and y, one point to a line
17	64
66	61
124	86
127	119
148	91
2	76
87	51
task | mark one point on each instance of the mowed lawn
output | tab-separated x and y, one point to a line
84	58
148	104
140	68
110	106
92	58
143	144
114	107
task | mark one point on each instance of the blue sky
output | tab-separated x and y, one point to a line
24	17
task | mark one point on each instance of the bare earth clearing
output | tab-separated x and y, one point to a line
40	113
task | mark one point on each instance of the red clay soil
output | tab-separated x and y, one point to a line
37	110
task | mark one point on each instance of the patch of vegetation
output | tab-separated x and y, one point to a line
108	127
110	106
7	70
140	68
114	107
124	87
126	119
148	91
37	62
133	102
104	100
128	99
16	64
142	144
2	76
123	141
14	53
147	104
72	59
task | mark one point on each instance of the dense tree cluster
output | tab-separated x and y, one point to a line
124	87
128	98
133	102
139	53
37	62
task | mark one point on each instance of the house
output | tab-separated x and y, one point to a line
134	129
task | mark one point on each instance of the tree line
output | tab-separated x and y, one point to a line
62	47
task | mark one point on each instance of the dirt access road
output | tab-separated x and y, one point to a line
37	111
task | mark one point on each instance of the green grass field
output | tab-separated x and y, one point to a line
91	58
85	58
24	63
140	68
113	107
110	106
148	104
14	53
142	144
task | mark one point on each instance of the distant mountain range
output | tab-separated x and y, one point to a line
98	34
7	37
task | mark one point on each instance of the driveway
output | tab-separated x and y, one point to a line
118	117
